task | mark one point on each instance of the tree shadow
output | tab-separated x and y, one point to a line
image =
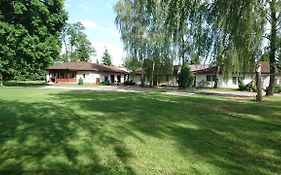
232	135
50	138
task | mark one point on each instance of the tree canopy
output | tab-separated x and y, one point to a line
29	36
231	33
106	58
76	44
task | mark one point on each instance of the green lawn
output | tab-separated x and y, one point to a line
45	131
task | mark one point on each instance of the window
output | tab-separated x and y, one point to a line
211	78
84	75
234	80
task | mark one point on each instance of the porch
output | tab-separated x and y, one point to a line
62	76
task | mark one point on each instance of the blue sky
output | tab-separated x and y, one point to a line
98	18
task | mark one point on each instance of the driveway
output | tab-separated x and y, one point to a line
165	90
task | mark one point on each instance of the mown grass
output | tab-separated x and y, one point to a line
87	132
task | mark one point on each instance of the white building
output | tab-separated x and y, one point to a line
206	77
71	72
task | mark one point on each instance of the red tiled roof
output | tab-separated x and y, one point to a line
86	66
265	68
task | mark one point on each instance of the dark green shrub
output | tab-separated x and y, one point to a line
80	82
105	83
185	77
277	89
129	83
247	87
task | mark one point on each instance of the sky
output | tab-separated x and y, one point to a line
98	18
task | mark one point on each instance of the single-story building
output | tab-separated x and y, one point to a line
71	72
164	79
206	77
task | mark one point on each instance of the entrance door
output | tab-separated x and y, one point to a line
118	79
112	78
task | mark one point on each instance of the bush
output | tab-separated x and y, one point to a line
80	82
185	77
105	83
247	87
129	83
277	89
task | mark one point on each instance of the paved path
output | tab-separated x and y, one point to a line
172	91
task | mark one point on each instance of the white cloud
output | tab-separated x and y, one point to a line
113	32
114	49
88	24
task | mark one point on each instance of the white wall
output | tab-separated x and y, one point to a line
221	82
90	76
266	80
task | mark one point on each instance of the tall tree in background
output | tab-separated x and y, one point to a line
231	32
76	44
144	36
29	37
106	58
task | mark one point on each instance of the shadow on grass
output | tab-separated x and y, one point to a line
229	134
43	138
235	137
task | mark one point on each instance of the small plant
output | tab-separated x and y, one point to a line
80	82
129	83
248	87
185	77
277	89
105	83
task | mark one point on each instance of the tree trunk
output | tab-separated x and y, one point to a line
142	74
217	78
258	83
1	80
272	54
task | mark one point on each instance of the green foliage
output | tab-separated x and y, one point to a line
185	77
277	89
29	37
80	82
248	87
106	58
76	44
129	83
105	83
132	64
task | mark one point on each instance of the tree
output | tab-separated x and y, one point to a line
29	37
76	44
230	32
97	61
106	58
185	77
144	35
132	64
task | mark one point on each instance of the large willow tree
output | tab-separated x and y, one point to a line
231	33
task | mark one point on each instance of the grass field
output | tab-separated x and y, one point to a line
86	132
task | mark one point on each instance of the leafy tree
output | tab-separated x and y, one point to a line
97	61
132	64
106	58
29	37
230	32
76	44
185	77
